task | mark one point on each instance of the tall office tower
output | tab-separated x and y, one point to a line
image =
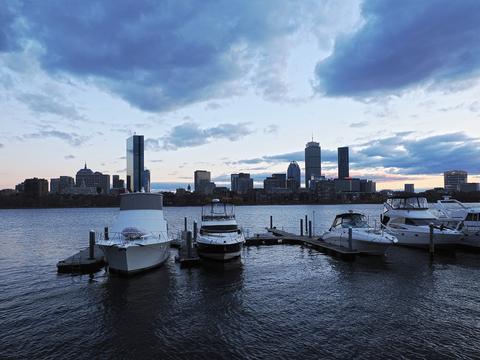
117	183
135	163
453	179
343	163
201	180
146	180
409	188
241	183
313	161
293	174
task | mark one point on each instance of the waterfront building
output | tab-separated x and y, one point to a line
453	179
86	178
343	163
409	188
146	180
55	185
20	187
470	187
368	186
203	183
241	183
135	163
117	183
275	183
293	175
35	187
313	160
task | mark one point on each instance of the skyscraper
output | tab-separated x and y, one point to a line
453	179
343	163
135	163
203	184
241	183
293	174
313	160
146	180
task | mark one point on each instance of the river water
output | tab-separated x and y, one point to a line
280	301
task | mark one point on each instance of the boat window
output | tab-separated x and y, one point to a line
422	203
337	222
418	222
220	227
408	203
353	220
472	217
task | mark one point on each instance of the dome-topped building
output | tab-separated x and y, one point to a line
293	174
86	178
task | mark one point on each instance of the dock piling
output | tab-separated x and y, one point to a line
432	242
310	228
271	222
185	223
301	227
195	230
350	245
188	235
105	233
306	224
91	245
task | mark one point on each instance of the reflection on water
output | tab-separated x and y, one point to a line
284	301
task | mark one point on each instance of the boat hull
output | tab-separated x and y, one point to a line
219	252
422	239
134	259
377	248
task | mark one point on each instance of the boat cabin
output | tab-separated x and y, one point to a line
350	220
408	202
218	217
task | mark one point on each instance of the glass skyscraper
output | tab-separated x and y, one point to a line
135	163
343	163
313	161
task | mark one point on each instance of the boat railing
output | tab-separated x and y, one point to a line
122	238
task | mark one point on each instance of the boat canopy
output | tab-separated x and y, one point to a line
351	219
408	203
141	201
218	210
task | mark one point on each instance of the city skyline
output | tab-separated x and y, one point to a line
245	99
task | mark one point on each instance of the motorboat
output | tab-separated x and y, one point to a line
364	238
449	211
138	238
219	238
470	228
408	218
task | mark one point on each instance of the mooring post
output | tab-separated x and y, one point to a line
195	230
310	228
271	222
306	224
350	246
432	243
301	227
105	233
185	223
91	245
189	244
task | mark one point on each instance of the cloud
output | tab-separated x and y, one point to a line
189	134
271	129
70	138
327	156
160	55
1	145
50	104
8	22
359	124
403	44
69	157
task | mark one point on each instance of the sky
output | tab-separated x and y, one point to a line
231	86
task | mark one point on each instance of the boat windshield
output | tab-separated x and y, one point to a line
408	203
452	204
218	211
472	217
350	220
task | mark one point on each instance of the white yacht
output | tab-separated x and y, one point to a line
470	228
364	237
408	218
220	237
138	239
449	211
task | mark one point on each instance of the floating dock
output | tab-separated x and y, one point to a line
187	251
82	262
276	237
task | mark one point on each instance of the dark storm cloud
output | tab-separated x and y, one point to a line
158	55
404	43
190	134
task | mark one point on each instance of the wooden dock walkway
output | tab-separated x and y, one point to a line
276	236
82	263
